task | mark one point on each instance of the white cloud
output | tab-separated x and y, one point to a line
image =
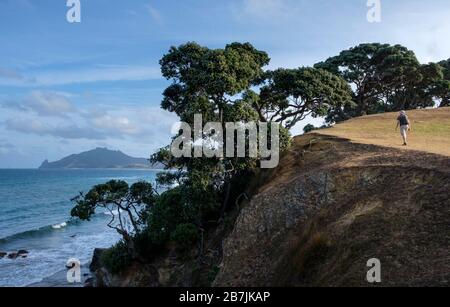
88	75
64	131
43	103
49	103
154	13
422	27
120	124
114	73
104	122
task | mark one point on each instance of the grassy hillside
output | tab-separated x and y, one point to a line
431	130
333	204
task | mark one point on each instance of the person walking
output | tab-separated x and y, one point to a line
405	125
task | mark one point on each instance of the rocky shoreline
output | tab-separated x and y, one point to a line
14	255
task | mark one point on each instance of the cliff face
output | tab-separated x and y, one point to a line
331	206
319	217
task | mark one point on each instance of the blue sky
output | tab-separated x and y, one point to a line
66	88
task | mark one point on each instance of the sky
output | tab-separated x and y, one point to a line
70	87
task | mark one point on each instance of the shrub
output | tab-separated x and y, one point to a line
168	212
309	128
185	235
117	259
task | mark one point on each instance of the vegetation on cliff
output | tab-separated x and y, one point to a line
191	219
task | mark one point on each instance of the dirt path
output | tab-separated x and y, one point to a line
431	131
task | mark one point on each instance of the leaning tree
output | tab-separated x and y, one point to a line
127	205
290	95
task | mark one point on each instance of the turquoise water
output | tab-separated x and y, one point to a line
35	215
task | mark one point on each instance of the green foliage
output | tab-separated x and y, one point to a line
309	128
293	94
117	259
101	194
384	78
168	212
442	89
204	79
132	203
167	179
215	83
142	193
230	85
185	235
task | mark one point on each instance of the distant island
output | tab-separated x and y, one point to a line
100	158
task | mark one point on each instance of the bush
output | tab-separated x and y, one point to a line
308	128
117	259
185	235
168	212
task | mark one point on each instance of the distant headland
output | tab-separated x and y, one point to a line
100	158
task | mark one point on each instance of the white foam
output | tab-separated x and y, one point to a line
59	226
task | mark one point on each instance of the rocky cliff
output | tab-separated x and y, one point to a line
333	205
319	217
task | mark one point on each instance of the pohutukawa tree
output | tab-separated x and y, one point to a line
383	78
127	205
210	82
442	89
219	83
230	85
291	95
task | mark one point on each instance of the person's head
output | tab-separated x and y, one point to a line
402	112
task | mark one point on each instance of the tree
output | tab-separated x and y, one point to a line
127	205
215	84
443	86
206	80
419	91
383	78
293	94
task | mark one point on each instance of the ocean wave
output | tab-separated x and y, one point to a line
34	232
44	230
59	226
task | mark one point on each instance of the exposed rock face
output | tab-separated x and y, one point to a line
96	259
136	276
333	205
318	218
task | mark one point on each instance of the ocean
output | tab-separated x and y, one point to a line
35	216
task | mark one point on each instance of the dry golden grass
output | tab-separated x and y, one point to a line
430	130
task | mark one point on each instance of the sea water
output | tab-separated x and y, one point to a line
35	216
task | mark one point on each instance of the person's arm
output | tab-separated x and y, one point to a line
398	124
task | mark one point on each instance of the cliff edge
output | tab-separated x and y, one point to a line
331	205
